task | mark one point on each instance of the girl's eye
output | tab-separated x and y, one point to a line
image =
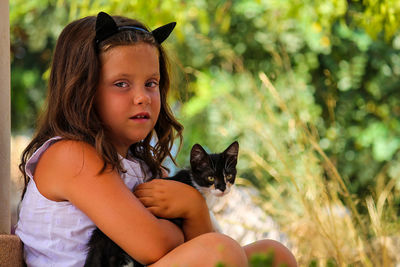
121	84
210	179
152	84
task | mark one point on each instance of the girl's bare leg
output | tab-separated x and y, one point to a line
282	255
205	250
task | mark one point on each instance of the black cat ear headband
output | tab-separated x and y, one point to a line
106	27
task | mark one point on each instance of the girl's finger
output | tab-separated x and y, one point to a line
144	186
147	201
143	193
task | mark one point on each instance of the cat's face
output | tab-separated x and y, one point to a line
214	172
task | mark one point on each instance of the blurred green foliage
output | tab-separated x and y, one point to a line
263	260
336	63
335	66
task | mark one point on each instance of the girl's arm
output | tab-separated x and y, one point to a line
172	199
69	171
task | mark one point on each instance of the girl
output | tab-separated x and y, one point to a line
106	101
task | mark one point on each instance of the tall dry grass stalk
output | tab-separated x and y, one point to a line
310	199
326	223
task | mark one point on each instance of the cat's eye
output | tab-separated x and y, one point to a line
229	177
210	179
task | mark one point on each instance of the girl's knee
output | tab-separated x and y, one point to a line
226	249
206	250
281	254
220	240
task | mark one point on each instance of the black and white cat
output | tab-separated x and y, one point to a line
211	174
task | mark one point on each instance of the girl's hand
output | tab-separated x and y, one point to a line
170	199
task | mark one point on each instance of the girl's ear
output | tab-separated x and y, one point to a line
198	157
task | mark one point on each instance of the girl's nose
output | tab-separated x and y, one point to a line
141	97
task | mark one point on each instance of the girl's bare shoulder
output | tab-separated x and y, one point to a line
65	163
71	152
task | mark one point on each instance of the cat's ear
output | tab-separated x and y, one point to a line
232	150
198	157
231	153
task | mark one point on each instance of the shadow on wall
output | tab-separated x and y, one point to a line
18	144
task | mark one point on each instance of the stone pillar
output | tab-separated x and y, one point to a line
5	119
10	245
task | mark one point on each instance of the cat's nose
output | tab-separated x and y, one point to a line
221	187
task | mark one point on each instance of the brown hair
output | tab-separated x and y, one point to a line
70	111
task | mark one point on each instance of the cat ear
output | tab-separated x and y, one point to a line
231	153
198	156
162	33
105	26
232	150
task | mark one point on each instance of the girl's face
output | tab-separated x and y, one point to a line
128	95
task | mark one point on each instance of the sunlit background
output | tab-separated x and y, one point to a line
309	88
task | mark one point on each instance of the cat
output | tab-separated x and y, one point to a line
211	174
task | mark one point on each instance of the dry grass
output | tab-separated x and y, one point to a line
311	200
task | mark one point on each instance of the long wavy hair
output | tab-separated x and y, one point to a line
70	111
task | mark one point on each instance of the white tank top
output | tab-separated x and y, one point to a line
56	233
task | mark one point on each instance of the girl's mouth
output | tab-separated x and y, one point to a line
141	116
